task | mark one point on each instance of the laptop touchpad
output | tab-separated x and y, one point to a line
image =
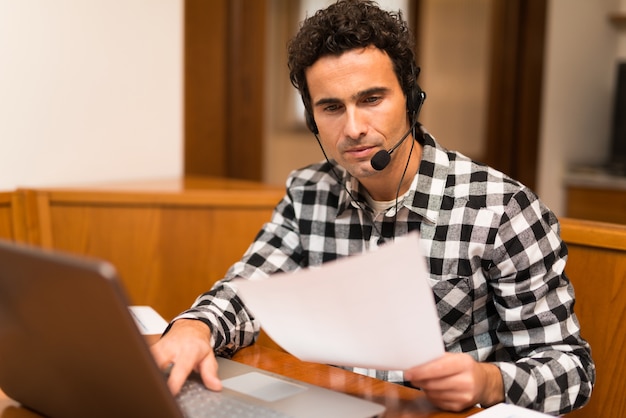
263	387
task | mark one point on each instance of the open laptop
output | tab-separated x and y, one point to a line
69	347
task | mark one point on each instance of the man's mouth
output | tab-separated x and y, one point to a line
361	152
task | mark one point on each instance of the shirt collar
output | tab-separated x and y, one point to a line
357	192
427	190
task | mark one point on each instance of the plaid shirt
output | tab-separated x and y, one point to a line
496	269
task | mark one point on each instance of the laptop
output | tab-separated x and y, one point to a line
69	347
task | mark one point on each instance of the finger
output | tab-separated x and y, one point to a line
422	372
446	366
178	375
177	378
208	371
452	405
458	382
451	398
162	359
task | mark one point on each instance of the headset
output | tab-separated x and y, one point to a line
414	100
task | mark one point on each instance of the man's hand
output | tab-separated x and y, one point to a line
187	347
456	381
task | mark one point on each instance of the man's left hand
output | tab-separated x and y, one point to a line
456	381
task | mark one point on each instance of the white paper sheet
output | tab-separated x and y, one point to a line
148	320
503	410
374	310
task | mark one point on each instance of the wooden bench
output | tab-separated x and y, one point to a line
170	240
597	268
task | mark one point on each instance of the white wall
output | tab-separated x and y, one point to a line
90	91
581	53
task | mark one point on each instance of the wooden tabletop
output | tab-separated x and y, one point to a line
400	401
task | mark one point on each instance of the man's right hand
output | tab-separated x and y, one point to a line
187	347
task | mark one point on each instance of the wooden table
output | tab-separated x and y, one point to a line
400	401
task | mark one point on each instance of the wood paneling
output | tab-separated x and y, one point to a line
6	216
597	268
168	245
517	43
14	222
224	87
246	93
597	204
205	87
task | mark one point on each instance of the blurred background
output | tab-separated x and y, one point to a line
98	91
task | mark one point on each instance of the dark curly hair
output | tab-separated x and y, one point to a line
348	25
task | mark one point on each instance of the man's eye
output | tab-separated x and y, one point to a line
331	108
372	99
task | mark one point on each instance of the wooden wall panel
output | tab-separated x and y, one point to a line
15	223
6	216
205	87
597	268
246	93
166	256
517	47
596	204
167	246
224	87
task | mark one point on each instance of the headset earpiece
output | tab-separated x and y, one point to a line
414	101
310	122
415	97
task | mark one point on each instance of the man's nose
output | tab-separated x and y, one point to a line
355	124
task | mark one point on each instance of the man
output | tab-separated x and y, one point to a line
495	257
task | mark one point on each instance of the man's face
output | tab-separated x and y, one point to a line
358	106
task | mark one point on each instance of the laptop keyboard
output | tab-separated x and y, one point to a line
196	401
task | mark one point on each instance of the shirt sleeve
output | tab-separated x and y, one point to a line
552	369
275	249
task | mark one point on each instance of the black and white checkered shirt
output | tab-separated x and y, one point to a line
496	269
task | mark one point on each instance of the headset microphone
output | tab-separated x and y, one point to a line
381	159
